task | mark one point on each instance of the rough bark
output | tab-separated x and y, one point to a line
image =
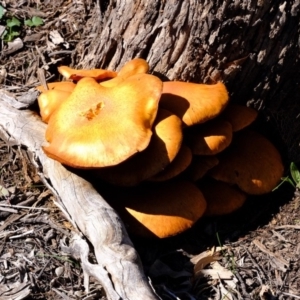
251	45
119	269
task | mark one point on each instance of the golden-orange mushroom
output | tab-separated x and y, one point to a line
66	86
176	167
97	74
194	103
221	198
163	148
239	116
135	66
161	210
200	165
251	162
98	126
210	138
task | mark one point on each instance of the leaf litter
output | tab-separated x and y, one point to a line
261	242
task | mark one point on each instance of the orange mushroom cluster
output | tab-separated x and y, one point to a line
173	151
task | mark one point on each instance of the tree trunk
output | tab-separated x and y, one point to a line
252	46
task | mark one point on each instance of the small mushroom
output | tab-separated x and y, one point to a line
98	126
161	210
76	75
194	103
209	138
163	148
176	167
221	198
251	162
239	116
135	66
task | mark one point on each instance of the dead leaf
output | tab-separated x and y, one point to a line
15	291
278	260
225	294
13	46
205	258
216	274
3	191
264	292
55	37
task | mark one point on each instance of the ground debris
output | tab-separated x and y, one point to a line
31	230
15	291
259	258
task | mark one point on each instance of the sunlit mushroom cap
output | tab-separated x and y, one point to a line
133	67
49	101
97	74
239	116
176	167
164	145
66	86
221	198
97	126
200	165
209	138
160	210
251	162
194	103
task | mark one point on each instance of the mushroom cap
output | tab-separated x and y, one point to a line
239	116
49	101
251	162
97	126
209	138
221	198
159	210
176	167
194	103
135	66
97	74
67	86
161	151
200	165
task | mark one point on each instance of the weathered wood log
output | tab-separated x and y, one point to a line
119	269
253	46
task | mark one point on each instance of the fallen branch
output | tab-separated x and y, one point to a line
119	269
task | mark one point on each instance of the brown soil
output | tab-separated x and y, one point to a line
258	245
